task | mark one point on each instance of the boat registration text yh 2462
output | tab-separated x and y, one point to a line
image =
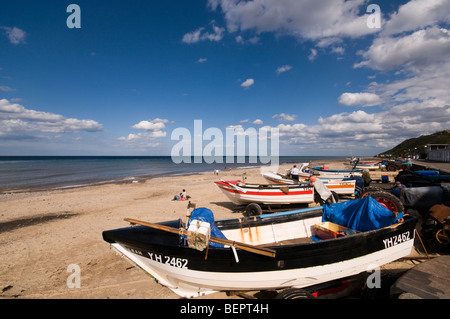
172	261
398	239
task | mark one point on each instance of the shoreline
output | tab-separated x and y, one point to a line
43	233
144	178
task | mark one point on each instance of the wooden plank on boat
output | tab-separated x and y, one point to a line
261	251
429	280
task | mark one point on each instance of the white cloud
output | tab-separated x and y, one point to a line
192	37
6	89
285	117
252	40
248	83
338	50
417	14
364	99
154	125
199	35
414	42
283	68
140	136
141	140
15	35
258	122
16	120
306	19
202	60
313	55
154	130
363	131
421	48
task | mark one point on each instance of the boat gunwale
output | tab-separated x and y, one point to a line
263	186
143	245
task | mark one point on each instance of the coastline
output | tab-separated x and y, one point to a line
43	233
43	173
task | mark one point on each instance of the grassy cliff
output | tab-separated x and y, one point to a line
417	145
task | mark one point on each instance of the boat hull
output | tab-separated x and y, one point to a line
340	186
363	166
191	273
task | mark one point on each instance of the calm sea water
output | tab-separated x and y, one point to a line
46	172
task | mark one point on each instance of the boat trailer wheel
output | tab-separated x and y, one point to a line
390	201
443	236
253	209
386	199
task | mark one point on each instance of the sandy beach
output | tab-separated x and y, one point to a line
43	233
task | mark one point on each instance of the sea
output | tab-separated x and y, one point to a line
37	173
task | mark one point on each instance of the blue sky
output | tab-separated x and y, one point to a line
137	70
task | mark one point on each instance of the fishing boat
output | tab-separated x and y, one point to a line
340	186
240	192
291	249
326	172
356	163
371	166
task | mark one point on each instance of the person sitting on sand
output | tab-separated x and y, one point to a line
182	196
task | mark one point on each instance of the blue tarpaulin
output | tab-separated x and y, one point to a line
205	215
361	214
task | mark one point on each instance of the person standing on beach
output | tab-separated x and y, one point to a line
294	173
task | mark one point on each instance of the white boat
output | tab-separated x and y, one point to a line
328	173
265	252
243	193
338	185
371	166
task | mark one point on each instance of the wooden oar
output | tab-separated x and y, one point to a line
262	251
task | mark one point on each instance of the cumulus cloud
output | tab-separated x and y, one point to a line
15	35
417	14
140	136
253	40
312	55
154	129
306	19
285	117
16	120
201	35
248	83
283	68
258	122
416	50
363	99
360	130
414	42
154	125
